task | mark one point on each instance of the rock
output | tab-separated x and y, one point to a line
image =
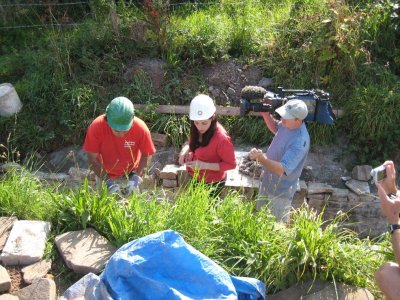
154	68
361	172
265	82
42	289
162	158
84	251
358	187
340	194
341	291
169	172
36	271
319	188
79	174
183	177
231	92
8	297
159	139
250	167
10	166
345	178
63	159
6	224
322	290
51	176
149	182
5	280
307	174
299	290
170	183
26	243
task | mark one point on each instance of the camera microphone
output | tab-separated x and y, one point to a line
251	92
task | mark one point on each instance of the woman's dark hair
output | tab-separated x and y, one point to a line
194	135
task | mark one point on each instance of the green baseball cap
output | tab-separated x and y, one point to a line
120	113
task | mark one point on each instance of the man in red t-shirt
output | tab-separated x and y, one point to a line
118	144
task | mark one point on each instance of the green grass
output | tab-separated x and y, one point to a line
244	242
66	77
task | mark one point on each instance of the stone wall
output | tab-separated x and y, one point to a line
364	211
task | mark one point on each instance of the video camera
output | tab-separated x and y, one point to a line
317	101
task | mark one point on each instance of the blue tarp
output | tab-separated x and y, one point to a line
163	266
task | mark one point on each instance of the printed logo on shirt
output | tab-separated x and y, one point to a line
128	144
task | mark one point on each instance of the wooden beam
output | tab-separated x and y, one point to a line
221	110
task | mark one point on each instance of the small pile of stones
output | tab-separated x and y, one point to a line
250	167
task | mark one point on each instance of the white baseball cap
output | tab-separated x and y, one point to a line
293	109
202	107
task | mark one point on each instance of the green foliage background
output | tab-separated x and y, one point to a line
66	75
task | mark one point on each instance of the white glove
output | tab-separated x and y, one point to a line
134	183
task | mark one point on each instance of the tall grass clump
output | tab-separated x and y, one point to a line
24	196
373	113
199	37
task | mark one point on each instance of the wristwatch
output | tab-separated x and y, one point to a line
393	227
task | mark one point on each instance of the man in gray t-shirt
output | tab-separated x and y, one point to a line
285	158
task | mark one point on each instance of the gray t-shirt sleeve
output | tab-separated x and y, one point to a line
294	156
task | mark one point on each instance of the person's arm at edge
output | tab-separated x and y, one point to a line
270	122
183	154
272	165
96	166
391	206
143	164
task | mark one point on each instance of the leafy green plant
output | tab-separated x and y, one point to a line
373	113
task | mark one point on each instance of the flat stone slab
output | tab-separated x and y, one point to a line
8	297
321	290
170	172
5	280
358	187
319	188
341	291
36	271
361	172
42	289
84	251
6	224
26	243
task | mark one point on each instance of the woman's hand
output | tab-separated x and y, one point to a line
185	155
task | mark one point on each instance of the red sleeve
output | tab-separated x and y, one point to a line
92	139
226	151
146	145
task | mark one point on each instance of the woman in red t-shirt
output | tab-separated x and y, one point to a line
210	151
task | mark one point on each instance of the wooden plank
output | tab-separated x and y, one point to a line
235	179
221	110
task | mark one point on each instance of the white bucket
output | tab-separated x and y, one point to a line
9	100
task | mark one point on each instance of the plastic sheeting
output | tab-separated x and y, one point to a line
163	266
